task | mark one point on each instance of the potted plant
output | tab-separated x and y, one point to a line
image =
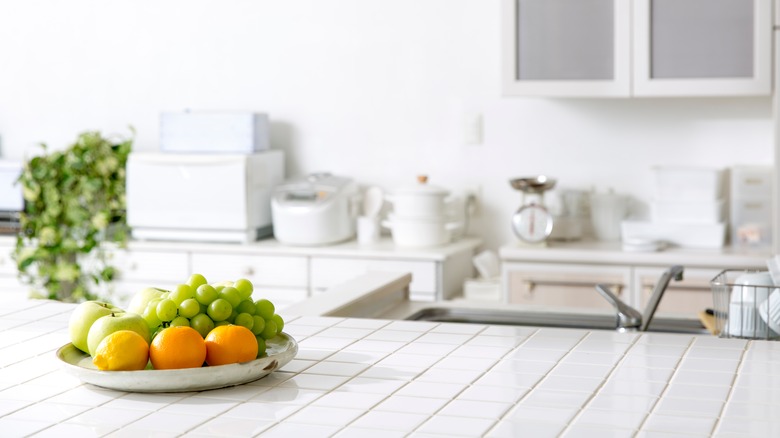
74	206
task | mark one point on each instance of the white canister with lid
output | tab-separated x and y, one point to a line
420	200
420	232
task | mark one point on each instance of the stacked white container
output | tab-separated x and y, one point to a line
421	215
688	208
751	206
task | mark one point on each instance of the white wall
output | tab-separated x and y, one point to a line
373	89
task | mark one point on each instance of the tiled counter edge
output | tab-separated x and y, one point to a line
361	377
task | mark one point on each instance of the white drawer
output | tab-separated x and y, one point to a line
327	272
152	266
278	271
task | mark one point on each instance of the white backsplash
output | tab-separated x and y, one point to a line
380	93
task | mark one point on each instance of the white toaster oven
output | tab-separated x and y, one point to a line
202	197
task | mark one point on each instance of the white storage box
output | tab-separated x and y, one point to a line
706	212
677	183
753	181
685	235
210	132
206	197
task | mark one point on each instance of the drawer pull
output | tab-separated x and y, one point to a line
681	287
249	271
530	285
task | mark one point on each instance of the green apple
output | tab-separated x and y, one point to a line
108	324
142	298
82	318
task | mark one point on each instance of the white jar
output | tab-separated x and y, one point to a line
420	200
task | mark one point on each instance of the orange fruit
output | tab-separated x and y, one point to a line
230	344
177	347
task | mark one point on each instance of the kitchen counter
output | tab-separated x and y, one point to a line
369	377
596	252
381	249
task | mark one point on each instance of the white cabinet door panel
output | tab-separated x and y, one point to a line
567	285
326	272
684	298
283	271
566	47
163	266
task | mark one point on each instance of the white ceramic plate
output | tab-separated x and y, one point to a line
279	351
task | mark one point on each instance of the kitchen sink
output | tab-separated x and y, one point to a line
384	295
549	319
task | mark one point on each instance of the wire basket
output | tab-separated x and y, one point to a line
746	312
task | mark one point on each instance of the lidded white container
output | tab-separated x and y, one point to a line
687	212
420	200
688	183
421	215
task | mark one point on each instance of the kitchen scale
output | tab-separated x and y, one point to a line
532	222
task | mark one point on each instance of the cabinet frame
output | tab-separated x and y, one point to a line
618	86
759	84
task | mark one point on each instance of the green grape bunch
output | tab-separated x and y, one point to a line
203	306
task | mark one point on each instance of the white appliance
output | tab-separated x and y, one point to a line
202	197
240	132
317	209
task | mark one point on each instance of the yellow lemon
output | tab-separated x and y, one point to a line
123	350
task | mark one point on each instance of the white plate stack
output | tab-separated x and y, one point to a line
688	208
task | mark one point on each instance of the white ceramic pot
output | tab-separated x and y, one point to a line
420	233
420	200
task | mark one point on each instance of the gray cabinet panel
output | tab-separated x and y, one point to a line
701	39
565	40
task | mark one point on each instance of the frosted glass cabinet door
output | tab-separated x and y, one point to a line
566	47
702	47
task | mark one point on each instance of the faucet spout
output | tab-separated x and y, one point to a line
675	272
628	318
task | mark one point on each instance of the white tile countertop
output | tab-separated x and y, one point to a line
380	378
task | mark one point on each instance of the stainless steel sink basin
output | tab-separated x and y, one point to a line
549	319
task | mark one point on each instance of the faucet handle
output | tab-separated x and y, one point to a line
628	318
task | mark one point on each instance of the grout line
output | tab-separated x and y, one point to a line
660	396
740	366
597	390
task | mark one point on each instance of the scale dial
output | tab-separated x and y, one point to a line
532	223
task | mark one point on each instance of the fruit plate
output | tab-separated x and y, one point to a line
279	351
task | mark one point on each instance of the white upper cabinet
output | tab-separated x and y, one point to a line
566	47
702	47
614	48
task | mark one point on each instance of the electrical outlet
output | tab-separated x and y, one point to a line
472	128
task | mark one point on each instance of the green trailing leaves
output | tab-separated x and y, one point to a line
74	202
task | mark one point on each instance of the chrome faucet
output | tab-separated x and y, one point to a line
628	318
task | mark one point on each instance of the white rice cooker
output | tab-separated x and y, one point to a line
317	209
